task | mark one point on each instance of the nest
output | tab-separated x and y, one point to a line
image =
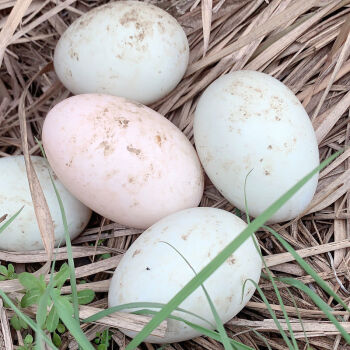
305	44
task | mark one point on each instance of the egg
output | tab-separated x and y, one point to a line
23	233
199	234
125	48
122	159
248	122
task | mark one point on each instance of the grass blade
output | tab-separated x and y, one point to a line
64	310
221	258
299	316
309	270
319	302
272	313
73	281
113	309
280	301
220	327
205	331
10	220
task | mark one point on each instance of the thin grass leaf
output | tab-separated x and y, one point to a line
261	337
65	310
122	307
220	327
205	331
309	270
221	258
280	301
319	302
299	316
58	280
38	341
26	319
10	220
73	280
271	312
270	277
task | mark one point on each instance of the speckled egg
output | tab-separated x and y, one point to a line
199	234
122	159
125	48
23	233
249	121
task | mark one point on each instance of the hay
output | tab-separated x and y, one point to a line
304	43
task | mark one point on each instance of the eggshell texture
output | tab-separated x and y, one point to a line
125	48
199	234
247	121
123	160
23	233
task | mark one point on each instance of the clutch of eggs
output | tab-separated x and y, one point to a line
125	48
248	122
153	270
23	233
122	159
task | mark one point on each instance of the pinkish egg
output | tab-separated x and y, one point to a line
122	159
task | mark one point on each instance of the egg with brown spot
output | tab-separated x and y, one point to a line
126	48
115	165
23	233
276	144
199	234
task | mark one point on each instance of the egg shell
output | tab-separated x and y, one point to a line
123	160
249	121
199	234
125	48
23	233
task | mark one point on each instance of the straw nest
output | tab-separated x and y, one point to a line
303	43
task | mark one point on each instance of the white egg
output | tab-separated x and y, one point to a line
23	233
122	159
125	48
248	121
152	271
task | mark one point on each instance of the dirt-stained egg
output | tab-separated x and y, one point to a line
248	122
125	48
23	233
122	159
198	234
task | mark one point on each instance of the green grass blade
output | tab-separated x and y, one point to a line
26	319
261	337
269	274
205	331
64	310
319	302
221	258
220	327
280	301
73	280
308	269
272	313
44	301
299	316
10	220
122	307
